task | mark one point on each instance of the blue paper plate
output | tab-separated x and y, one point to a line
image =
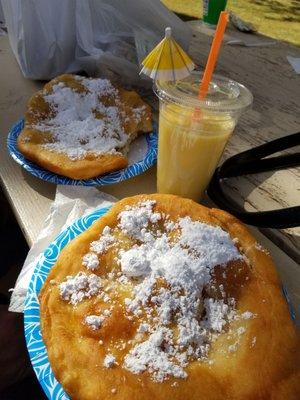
36	347
138	167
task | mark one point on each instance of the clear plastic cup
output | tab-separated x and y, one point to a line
193	133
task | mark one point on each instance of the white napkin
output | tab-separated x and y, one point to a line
295	63
70	203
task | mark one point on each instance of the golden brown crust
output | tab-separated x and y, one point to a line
63	165
268	368
30	141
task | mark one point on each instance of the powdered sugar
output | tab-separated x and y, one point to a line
213	244
104	242
143	328
216	313
134	221
76	288
259	247
134	263
184	267
247	315
233	347
90	261
150	356
168	267
109	361
241	330
82	124
94	321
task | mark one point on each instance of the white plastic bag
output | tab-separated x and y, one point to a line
97	36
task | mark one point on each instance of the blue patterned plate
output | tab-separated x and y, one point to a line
36	347
142	155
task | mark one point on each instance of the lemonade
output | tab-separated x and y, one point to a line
188	151
193	133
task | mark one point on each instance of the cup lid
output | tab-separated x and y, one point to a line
223	94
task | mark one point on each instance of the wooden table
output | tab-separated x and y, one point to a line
275	86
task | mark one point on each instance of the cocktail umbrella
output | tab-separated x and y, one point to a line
167	61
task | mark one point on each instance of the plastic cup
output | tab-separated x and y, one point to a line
212	10
193	133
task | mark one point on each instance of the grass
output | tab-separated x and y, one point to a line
279	19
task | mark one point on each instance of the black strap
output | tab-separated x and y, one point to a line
250	162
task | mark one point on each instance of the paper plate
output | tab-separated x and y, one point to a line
36	347
142	155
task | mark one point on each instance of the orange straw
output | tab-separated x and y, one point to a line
213	54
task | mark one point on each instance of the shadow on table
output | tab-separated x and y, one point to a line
141	184
239	189
45	189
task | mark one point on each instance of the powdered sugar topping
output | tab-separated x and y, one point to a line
247	315
90	261
134	262
94	321
135	220
81	123
109	361
104	242
213	245
171	277
151	355
81	286
168	266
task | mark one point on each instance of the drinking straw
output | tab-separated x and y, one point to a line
213	54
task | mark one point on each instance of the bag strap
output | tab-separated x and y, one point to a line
250	162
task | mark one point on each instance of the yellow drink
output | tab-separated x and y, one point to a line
193	132
189	150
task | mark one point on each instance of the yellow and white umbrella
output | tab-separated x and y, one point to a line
167	61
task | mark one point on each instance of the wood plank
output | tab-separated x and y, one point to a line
30	198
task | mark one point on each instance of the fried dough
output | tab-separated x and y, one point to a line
82	127
197	331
